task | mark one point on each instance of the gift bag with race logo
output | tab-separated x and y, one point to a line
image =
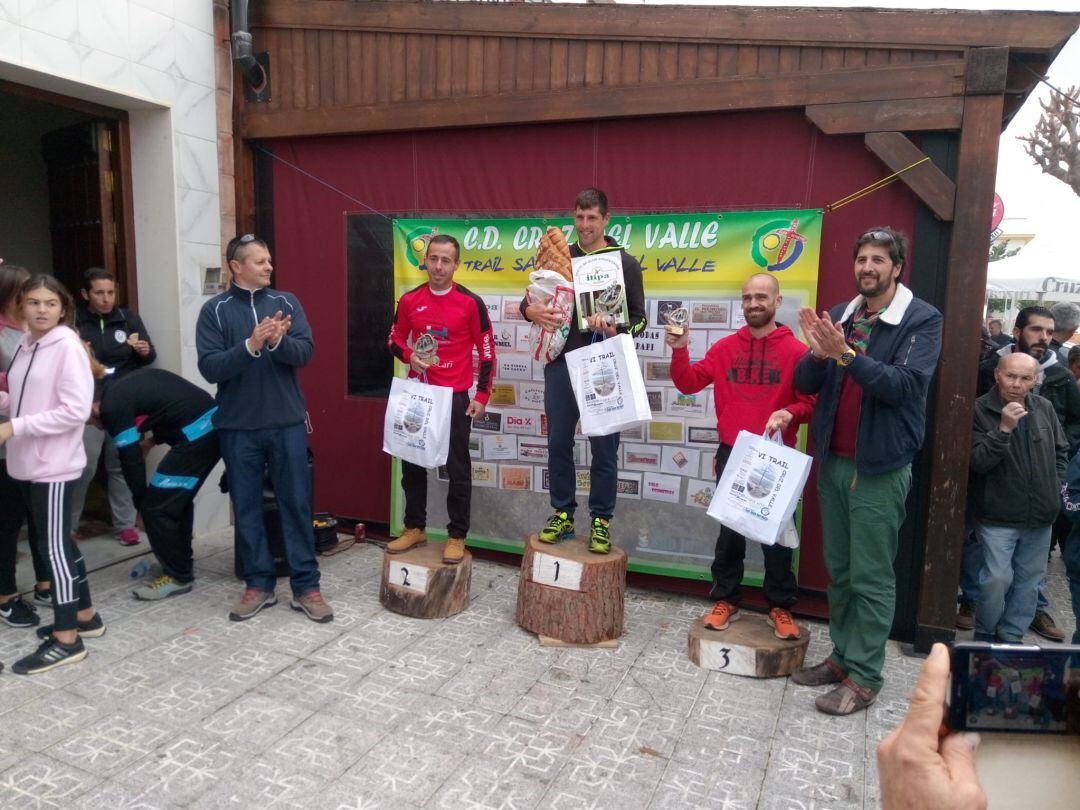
760	488
608	386
416	427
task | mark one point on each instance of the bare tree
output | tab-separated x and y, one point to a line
1054	144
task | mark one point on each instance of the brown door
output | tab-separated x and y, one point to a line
86	206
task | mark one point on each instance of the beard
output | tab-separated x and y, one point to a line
880	286
1036	350
759	318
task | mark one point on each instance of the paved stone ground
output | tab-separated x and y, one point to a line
178	707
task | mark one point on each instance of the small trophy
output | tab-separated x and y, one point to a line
426	348
676	320
609	300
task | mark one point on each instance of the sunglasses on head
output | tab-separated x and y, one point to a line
878	236
234	246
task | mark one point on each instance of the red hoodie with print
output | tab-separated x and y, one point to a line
751	378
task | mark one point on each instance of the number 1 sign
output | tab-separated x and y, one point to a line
557	571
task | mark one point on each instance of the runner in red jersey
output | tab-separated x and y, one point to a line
458	321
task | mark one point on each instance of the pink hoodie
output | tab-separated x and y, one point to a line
50	390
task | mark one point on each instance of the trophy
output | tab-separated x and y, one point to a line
426	348
676	320
609	300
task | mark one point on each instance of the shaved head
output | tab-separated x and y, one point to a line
1019	361
1016	375
769	277
760	300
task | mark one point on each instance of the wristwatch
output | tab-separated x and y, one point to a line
846	358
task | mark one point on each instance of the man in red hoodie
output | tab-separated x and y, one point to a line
751	373
457	319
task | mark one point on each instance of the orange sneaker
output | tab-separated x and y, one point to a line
723	613
783	625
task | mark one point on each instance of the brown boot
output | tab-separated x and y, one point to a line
410	538
821	675
454	550
965	616
847	698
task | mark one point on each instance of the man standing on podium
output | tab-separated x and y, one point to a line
458	320
591	218
752	374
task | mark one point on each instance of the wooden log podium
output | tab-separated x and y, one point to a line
418	583
748	647
568	593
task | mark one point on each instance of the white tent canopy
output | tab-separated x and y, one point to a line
1039	271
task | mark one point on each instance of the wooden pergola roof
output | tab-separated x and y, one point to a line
341	66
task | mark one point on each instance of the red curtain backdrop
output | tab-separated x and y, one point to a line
755	160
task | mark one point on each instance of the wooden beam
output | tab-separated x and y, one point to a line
129	272
901	115
987	70
931	184
950	442
705	95
816	26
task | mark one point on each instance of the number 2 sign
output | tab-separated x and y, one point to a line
410	576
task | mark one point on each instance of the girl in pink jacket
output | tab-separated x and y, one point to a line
14	610
49	393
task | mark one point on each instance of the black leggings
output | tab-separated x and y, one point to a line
13	513
50	532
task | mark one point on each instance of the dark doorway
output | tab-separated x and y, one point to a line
65	187
86	220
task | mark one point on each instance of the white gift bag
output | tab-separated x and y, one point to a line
608	386
416	427
760	487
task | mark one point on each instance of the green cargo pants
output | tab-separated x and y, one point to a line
861	517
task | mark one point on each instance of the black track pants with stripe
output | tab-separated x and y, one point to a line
168	510
50	531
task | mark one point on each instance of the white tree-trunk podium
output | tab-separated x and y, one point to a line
748	647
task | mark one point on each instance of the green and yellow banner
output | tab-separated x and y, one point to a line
676	251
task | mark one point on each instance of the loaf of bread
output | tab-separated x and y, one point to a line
554	254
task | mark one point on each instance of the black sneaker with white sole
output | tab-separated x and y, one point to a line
19	613
50	655
43	596
92	628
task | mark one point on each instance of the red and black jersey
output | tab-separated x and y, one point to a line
458	320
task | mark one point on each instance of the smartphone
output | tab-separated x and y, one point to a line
1015	687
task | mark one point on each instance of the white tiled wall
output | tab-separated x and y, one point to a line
154	58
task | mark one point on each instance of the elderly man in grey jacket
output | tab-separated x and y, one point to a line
1018	460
